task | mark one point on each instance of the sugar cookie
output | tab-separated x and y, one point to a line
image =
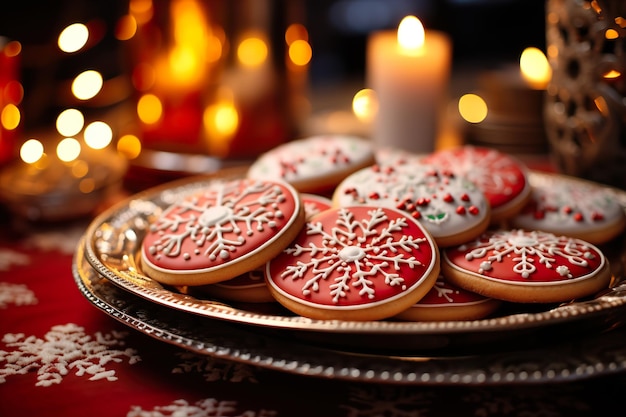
355	263
229	228
527	267
448	302
450	207
248	287
500	176
314	164
573	207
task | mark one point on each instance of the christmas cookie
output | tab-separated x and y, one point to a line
501	177
249	287
527	267
314	204
448	302
395	156
572	207
315	164
229	228
355	263
450	207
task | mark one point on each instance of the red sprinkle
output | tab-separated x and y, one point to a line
448	198
578	217
460	210
595	216
465	197
416	214
473	210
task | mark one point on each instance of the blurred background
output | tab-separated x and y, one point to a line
98	94
484	33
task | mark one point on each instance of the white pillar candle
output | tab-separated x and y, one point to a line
409	70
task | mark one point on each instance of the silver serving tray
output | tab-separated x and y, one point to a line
583	357
113	240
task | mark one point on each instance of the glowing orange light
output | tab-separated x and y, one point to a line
535	68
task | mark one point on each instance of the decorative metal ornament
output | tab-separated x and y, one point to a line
585	108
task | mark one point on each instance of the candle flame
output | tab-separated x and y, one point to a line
535	68
411	35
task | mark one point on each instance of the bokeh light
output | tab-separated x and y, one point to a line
73	38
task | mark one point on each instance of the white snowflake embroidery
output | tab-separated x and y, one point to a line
207	221
209	407
17	294
525	248
10	257
213	369
357	251
64	241
63	349
389	402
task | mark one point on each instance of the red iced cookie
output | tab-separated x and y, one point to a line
314	204
248	287
501	177
527	266
448	302
355	263
227	229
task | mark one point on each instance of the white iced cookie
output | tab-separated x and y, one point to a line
314	164
450	207
572	207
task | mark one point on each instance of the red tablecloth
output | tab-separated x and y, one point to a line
60	356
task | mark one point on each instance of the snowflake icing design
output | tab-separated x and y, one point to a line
63	349
527	250
213	222
17	294
208	407
354	252
490	170
435	197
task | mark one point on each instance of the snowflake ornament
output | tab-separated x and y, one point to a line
355	258
211	233
64	349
